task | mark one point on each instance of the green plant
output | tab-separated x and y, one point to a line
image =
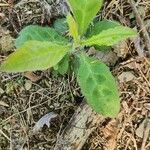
39	48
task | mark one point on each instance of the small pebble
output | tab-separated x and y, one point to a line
28	85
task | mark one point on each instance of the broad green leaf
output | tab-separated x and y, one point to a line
63	66
38	33
34	55
73	28
110	36
98	86
99	26
61	26
84	11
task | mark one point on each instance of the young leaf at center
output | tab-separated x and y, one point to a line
84	11
73	28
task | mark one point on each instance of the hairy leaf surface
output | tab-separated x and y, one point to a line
38	33
110	36
34	55
61	26
84	11
99	27
63	66
98	86
102	25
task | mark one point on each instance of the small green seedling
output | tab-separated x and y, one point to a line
39	48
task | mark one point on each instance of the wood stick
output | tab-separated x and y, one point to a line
81	125
146	135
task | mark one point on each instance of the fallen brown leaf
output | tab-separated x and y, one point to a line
31	76
121	49
126	76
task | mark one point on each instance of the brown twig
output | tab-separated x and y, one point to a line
146	134
141	24
81	125
4	5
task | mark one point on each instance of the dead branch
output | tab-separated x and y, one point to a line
81	125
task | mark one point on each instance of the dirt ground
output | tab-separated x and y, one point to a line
25	98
